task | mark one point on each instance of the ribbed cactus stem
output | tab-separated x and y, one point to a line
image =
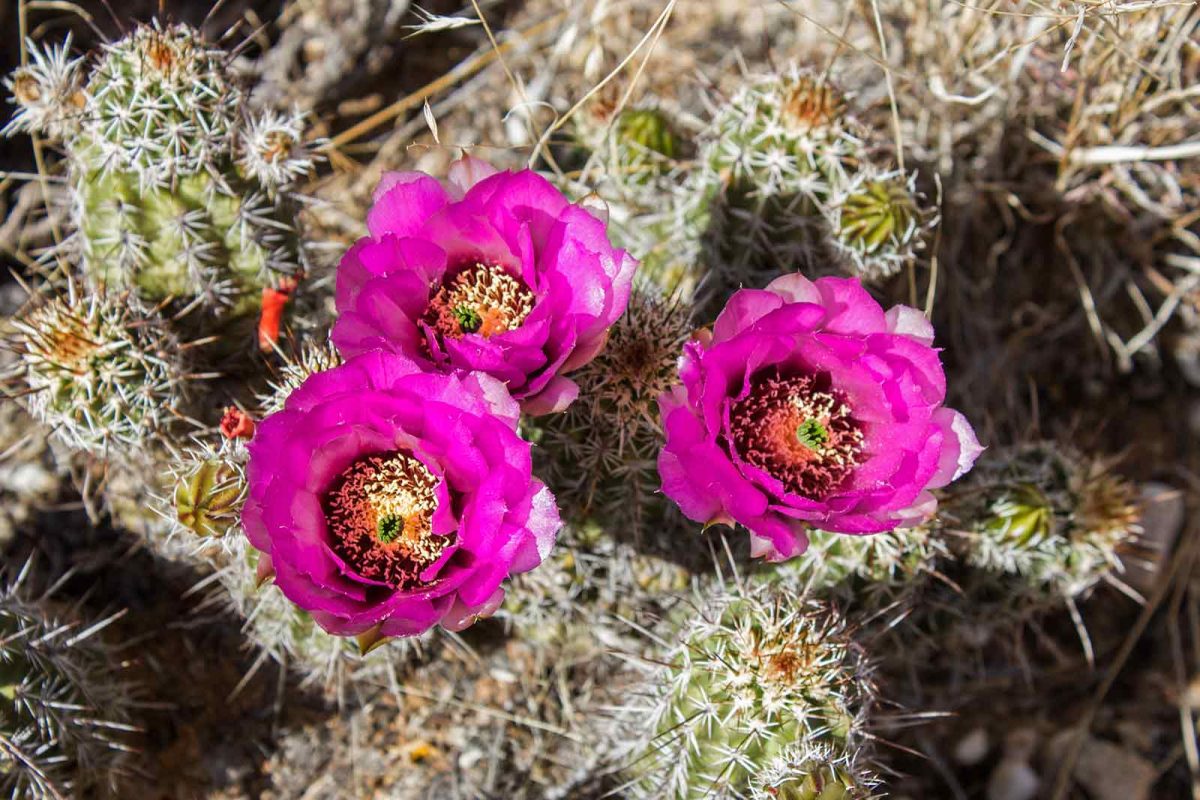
1052	518
180	190
757	676
601	454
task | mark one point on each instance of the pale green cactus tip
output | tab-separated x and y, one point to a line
309	359
752	680
180	191
783	133
104	373
891	560
807	772
1057	519
601	454
65	704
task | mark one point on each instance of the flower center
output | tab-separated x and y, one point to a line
379	512
799	431
482	299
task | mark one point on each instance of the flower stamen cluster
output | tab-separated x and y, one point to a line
797	429
482	299
379	512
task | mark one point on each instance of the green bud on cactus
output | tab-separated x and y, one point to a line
649	130
102	372
1042	512
209	497
878	223
1021	517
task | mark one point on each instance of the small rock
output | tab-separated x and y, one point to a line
972	748
1013	780
1110	772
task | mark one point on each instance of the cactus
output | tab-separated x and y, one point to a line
206	505
64	706
1049	516
813	773
786	181
869	571
311	358
209	493
589	580
601	454
752	679
179	190
286	634
635	143
648	133
104	373
876	222
48	93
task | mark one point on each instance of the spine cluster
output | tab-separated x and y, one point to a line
64	706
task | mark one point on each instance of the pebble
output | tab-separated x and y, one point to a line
1105	770
1110	772
972	748
1013	778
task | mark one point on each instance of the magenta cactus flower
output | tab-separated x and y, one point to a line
386	499
489	271
808	405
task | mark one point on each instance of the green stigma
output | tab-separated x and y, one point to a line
812	434
468	318
390	528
